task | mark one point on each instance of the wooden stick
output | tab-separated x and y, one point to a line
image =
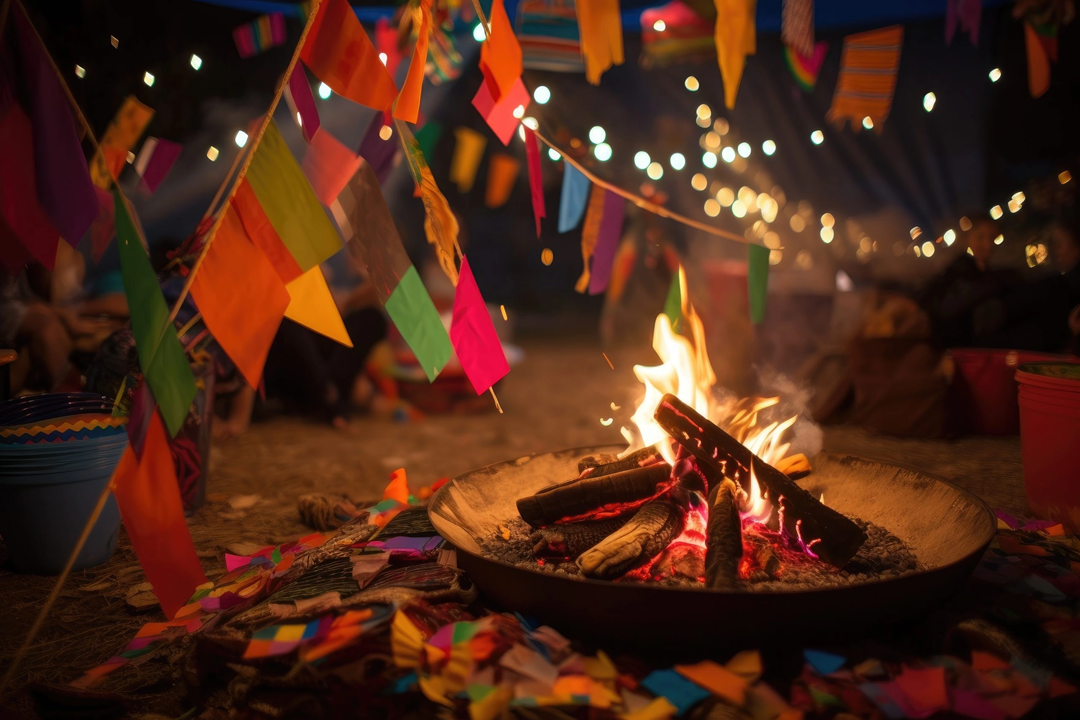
40	620
483	18
723	537
641	539
581	496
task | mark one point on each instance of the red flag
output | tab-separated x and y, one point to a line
473	334
340	54
149	500
263	234
329	165
19	205
536	181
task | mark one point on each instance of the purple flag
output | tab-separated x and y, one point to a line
155	160
607	242
381	154
302	103
473	334
63	179
965	13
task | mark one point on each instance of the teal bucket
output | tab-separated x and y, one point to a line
46	497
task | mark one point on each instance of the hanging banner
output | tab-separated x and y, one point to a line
468	151
736	37
121	135
867	81
536	181
600	26
473	335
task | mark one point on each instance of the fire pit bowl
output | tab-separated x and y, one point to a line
948	529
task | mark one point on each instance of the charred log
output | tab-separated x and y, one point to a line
569	541
600	465
642	538
608	495
768	560
723	537
826	533
591	462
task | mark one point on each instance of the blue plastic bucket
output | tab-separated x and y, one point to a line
46	501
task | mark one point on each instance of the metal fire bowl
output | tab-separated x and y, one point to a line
947	527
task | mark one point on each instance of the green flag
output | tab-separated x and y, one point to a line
427	136
673	303
757	281
417	320
162	358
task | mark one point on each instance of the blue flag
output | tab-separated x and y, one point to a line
575	195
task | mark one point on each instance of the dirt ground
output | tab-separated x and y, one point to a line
555	399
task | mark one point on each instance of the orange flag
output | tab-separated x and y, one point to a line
500	55
502	174
340	54
263	234
600	25
149	500
1038	62
240	296
407	106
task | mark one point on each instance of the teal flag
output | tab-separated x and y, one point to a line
757	281
164	366
416	318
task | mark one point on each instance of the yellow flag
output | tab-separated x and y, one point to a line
121	135
736	37
312	305
600	25
468	151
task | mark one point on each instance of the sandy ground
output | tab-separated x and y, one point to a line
555	399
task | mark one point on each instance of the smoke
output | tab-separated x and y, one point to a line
807	436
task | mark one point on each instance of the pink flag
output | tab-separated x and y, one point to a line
500	115
329	165
536	181
965	13
302	103
155	160
606	243
473	334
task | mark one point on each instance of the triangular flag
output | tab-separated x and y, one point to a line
500	55
312	305
757	281
440	224
416	318
536	180
502	174
161	357
407	105
503	115
328	165
468	151
805	69
240	296
302	103
155	160
149	498
607	242
427	137
673	301
289	202
594	218
386	42
23	216
121	135
575	193
473	335
736	37
339	53
600	25
1041	47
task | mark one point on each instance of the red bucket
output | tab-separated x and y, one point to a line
1050	439
982	398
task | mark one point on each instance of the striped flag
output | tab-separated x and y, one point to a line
258	35
867	81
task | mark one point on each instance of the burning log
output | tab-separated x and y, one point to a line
723	538
821	531
569	541
599	465
642	538
598	497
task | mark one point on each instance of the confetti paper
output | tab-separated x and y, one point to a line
607	242
412	311
381	154
757	281
119	138
682	693
716	679
823	663
736	37
868	67
258	35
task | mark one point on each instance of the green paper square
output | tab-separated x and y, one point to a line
757	281
417	320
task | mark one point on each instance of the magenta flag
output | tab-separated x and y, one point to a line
381	154
302	103
536	181
21	213
155	160
607	242
64	189
473	334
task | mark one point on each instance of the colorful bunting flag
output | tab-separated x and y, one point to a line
736	37
797	26
261	34
683	35
867	79
155	160
427	137
575	193
607	242
594	217
757	281
500	55
503	115
262	233
161	357
121	135
468	151
547	31
473	335
149	498
536	180
407	105
600	26
339	53
240	297
440	225
386	42
302	103
502	174
62	179
965	14
416	318
289	202
381	154
1040	43
328	165
312	305
805	69
104	226
23	217
143	410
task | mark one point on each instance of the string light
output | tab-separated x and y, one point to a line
712	140
712	208
519	112
542	94
148	78
602	152
698	182
817	137
965	223
728	154
196	62
721	126
704	111
382	58
597	135
999	239
915	232
478	33
324	91
744	149
768	147
531	123
114	41
996	212
868	123
554	155
692	84
928	249
995	74
655	171
299	120
130	157
1064	176
212	153
827	220
738	209
1014	206
915	249
659	26
726	196
827	235
641	160
949	237
797	223
386	132
241	138
678	162
928	101
709	160
1019	196
80	72
546	256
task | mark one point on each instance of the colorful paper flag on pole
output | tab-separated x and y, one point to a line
536	180
500	55
328	165
502	174
416	318
427	138
797	26
386	43
805	69
339	53
302	103
121	135
161	357
468	151
381	154
736	37
240	296
22	215
260	34
600	26
62	179
312	305
757	281
867	79
574	196
407	105
502	115
155	160
262	233
607	243
590	234
289	202
473	335
440	225
149	498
